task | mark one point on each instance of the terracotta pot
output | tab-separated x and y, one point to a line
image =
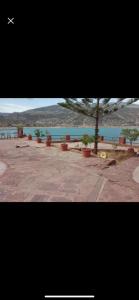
122	140
38	140
20	132
64	147
49	138
30	137
86	152
48	143
131	150
67	138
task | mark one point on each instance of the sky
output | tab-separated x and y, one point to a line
9	105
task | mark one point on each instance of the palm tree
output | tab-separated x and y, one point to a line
96	108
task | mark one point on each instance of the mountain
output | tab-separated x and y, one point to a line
56	115
4	114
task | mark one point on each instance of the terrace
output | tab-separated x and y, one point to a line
37	173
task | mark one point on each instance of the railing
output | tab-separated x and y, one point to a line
57	137
8	136
77	137
116	140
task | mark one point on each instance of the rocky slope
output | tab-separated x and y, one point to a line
59	116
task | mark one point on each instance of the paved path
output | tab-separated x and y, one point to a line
39	173
42	174
121	186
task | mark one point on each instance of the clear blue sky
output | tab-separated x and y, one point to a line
10	105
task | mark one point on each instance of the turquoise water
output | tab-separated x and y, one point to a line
108	133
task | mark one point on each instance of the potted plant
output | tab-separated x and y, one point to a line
132	135
48	141
64	146
49	138
30	137
67	137
86	140
39	134
19	131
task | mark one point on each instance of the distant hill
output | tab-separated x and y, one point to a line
4	114
58	116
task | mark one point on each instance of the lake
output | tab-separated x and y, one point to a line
108	133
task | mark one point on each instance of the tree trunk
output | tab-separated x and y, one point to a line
96	127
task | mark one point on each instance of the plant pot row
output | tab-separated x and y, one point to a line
122	140
49	138
38	139
100	139
64	146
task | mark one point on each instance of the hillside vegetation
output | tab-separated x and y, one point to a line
59	116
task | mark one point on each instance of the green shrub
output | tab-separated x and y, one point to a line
86	139
39	133
131	134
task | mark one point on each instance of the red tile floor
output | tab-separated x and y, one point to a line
46	174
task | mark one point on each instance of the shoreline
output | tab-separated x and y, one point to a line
93	127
